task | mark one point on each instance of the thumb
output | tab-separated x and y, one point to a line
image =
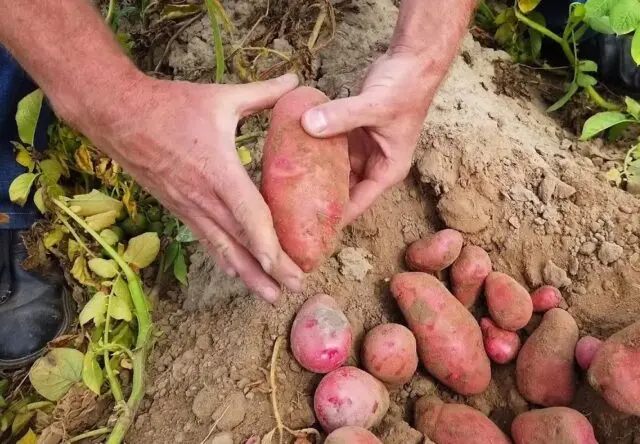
339	116
253	97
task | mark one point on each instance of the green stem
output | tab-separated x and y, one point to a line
601	101
113	381
547	33
76	237
111	12
486	10
217	40
247	136
91	434
38	405
283	56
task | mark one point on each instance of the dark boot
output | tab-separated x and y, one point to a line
33	309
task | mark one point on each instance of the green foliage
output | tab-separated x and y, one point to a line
53	374
522	42
27	116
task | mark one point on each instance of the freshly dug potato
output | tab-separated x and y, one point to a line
468	274
508	302
502	346
305	181
389	353
321	335
455	423
560	425
352	435
435	253
449	338
545	298
586	350
545	368
349	396
615	370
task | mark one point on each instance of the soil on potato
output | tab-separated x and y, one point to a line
497	168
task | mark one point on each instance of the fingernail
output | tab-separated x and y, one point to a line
315	121
288	78
270	294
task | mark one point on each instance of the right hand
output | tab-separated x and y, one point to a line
177	140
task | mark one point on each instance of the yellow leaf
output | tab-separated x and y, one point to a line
83	159
94	203
80	272
53	238
129	203
20	188
527	6
73	247
39	201
105	268
102	220
109	236
245	155
613	175
28	438
119	309
94	310
142	250
23	157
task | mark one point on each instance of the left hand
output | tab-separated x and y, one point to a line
383	123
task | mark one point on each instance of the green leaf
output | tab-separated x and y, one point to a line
105	268
504	16
20	421
635	47
527	6
176	12
121	291
588	66
3	402
585	80
504	34
73	248
28	438
536	43
92	375
625	16
119	309
38	199
598	8
633	107
4	386
170	254
142	250
53	374
573	88
602	121
180	268
94	310
102	220
109	236
245	155
601	25
28	114
21	187
185	235
616	131
51	170
94	203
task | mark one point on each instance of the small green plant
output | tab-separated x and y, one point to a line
522	42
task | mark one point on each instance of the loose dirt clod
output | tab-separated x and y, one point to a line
609	252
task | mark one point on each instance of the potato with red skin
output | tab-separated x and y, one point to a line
508	302
502	346
352	435
321	335
305	181
545	366
389	352
435	253
468	274
545	298
448	336
455	423
615	370
349	396
553	425
586	350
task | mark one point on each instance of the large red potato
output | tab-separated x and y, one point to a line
435	253
545	298
389	352
615	370
508	302
321	335
305	181
502	346
449	338
586	350
468	274
455	423
349	396
352	435
545	367
554	425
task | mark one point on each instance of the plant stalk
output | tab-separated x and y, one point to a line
601	101
547	33
217	39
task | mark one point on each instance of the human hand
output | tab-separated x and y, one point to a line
177	140
383	123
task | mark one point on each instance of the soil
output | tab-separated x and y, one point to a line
492	165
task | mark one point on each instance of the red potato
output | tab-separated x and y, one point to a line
305	181
449	338
352	435
554	425
545	298
389	352
455	423
349	396
615	370
502	346
545	369
508	302
321	335
586	350
468	274
435	253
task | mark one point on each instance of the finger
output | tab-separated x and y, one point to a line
253	97
221	261
342	115
362	197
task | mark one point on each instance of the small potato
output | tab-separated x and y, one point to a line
555	425
545	298
508	302
389	353
615	370
321	335
305	181
502	346
545	367
455	423
448	336
586	350
435	253
352	435
349	396
468	274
